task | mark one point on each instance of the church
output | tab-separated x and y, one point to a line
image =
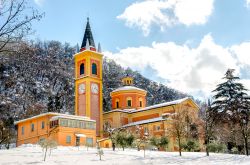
129	108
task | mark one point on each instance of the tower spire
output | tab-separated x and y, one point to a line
88	36
99	49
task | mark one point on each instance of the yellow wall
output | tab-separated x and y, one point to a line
33	136
114	118
56	133
88	78
63	132
135	95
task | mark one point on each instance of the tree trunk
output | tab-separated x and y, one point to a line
45	153
207	150
207	143
113	146
179	143
144	152
246	146
123	148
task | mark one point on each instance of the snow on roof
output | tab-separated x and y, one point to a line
161	105
128	88
151	107
120	110
87	50
49	113
73	117
144	121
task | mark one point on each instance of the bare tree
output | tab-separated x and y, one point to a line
16	18
47	144
111	133
178	128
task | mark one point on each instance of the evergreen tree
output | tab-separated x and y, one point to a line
232	104
50	104
161	142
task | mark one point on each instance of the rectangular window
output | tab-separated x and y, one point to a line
140	103
64	122
22	130
129	103
117	104
68	139
70	123
158	128
82	124
145	129
41	140
89	141
43	124
32	127
53	123
74	123
87	125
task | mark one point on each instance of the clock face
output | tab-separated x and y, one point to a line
81	88
94	88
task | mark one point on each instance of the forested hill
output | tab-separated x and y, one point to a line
156	93
38	77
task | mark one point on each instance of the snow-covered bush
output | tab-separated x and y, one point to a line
160	143
191	145
216	147
235	150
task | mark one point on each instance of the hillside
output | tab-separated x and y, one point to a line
38	77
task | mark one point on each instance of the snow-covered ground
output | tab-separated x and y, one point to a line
30	154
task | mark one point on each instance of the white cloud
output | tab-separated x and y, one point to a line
191	12
166	13
248	3
39	2
192	70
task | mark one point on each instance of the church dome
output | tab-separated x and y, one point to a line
128	88
128	96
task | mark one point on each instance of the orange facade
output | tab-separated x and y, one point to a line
155	120
66	130
121	99
88	86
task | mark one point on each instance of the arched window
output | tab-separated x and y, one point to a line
94	68
129	102
117	103
140	102
82	69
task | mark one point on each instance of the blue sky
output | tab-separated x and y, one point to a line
185	44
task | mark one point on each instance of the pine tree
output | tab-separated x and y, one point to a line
232	104
50	104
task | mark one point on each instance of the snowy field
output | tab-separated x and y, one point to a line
33	155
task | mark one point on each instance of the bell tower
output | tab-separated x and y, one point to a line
88	80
